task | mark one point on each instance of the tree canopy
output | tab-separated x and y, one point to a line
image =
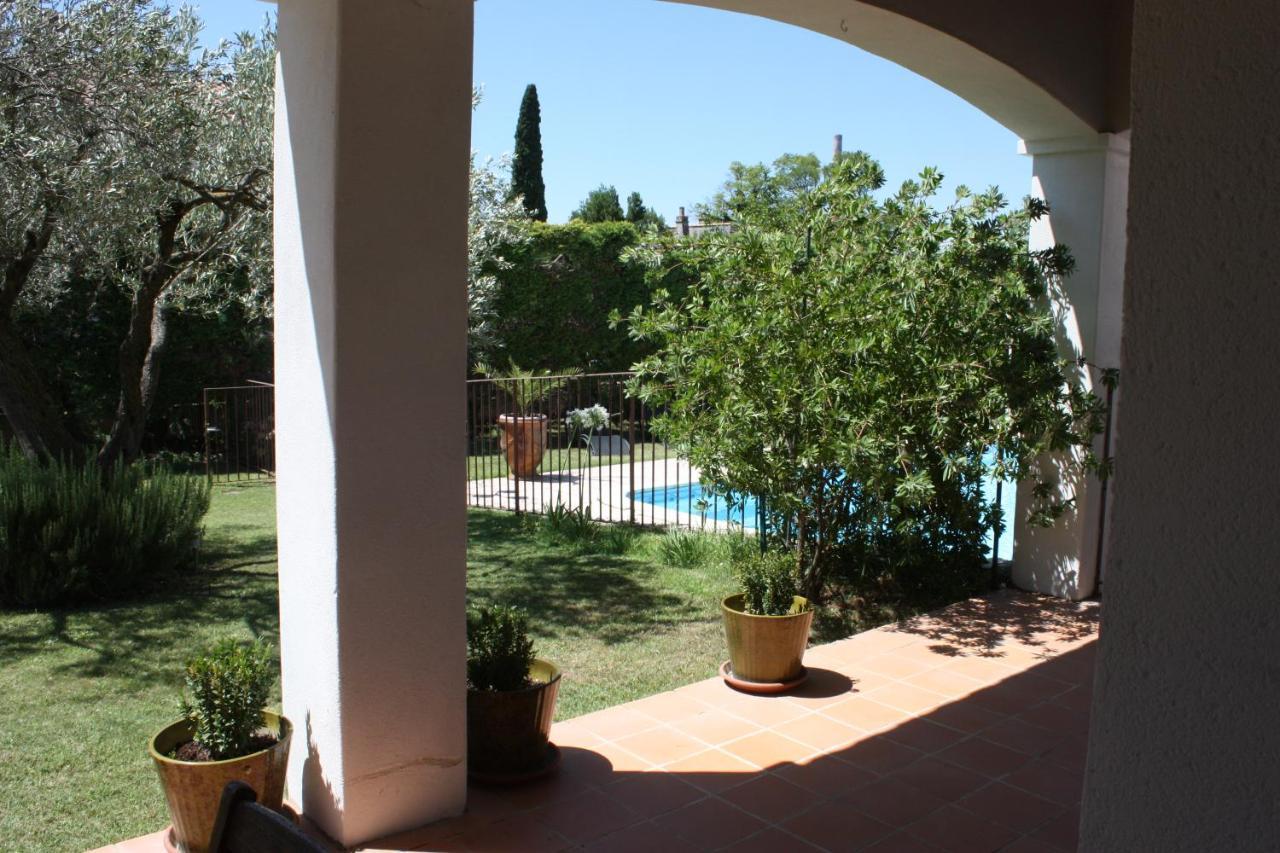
600	205
859	364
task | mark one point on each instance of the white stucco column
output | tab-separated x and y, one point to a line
1085	181
372	140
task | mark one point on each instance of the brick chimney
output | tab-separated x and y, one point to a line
682	224
838	148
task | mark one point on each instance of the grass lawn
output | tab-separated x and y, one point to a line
486	466
83	689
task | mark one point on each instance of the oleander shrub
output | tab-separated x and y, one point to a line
72	532
499	650
227	687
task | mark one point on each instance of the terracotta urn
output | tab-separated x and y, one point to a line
524	440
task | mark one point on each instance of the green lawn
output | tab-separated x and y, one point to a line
485	466
81	690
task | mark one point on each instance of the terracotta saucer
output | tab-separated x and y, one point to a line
761	688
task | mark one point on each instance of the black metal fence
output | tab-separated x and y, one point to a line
240	432
582	442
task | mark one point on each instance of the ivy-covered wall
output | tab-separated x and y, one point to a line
554	299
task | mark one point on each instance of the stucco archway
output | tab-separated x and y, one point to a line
373	133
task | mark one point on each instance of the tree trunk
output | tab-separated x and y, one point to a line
138	371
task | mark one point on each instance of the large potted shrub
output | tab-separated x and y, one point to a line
766	625
225	735
511	699
524	431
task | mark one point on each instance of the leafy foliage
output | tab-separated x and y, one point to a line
526	169
495	227
134	163
72	532
227	687
499	650
557	289
760	193
600	205
851	361
685	549
769	583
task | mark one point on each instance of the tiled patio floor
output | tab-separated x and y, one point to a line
962	731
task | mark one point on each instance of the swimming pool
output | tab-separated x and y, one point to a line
688	498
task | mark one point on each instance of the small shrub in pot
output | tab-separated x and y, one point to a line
225	735
511	699
766	624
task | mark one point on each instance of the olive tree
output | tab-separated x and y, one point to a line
854	362
131	157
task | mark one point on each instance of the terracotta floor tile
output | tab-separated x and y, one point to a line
922	734
943	681
713	770
669	707
837	827
771	840
641	838
906	697
826	775
953	829
901	842
709	824
820	732
866	714
1077	699
981	756
586	817
965	716
1063	832
552	789
1011	807
987	670
661	746
594	766
622	760
942	780
614	723
1027	844
879	754
1050	781
518	834
573	733
714	727
1009	697
893	802
1024	737
152	843
823	687
653	794
1071	754
769	798
764	711
1058	718
895	665
768	749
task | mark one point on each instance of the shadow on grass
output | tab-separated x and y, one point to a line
568	589
144	640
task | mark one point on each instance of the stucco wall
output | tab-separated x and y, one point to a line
1186	721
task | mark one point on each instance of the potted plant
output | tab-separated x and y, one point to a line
524	432
225	735
511	699
766	626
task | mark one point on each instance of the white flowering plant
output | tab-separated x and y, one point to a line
587	420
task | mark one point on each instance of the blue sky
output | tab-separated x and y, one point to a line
661	97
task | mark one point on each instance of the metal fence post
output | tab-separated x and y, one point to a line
631	452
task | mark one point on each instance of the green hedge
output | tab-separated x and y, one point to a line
553	301
71	532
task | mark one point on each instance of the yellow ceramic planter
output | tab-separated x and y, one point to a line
766	649
193	789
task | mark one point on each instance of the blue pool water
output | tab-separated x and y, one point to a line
688	498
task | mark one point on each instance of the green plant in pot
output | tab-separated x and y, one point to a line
524	432
511	699
225	735
766	625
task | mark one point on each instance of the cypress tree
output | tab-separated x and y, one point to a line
526	167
